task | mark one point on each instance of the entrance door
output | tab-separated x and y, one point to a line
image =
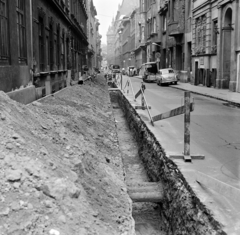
196	73
179	57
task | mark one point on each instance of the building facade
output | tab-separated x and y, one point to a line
60	42
110	44
44	44
15	45
176	36
216	44
91	32
115	33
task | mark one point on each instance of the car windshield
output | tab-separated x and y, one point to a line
116	67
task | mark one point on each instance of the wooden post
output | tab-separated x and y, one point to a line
187	156
121	80
143	106
132	88
148	107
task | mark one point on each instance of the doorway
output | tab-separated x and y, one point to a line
196	73
227	35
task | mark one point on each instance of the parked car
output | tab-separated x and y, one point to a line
149	71
167	76
115	69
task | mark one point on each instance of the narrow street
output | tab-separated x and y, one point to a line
214	133
214	130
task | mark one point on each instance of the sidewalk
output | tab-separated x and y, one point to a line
221	198
220	94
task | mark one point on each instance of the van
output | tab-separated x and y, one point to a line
149	72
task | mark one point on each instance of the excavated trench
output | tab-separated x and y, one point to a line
146	214
180	211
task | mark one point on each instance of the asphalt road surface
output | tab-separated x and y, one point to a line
214	130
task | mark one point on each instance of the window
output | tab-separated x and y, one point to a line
4	37
41	43
154	25
200	34
68	53
51	46
21	29
214	36
164	22
47	49
58	48
143	5
63	50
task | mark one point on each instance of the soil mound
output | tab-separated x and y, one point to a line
60	165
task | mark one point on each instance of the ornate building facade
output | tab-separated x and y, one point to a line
216	44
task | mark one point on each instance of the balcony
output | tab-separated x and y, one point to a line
174	29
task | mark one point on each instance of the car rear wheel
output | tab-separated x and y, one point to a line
175	83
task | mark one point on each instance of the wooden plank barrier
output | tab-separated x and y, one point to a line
185	109
144	104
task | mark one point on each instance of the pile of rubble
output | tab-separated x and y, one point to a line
60	165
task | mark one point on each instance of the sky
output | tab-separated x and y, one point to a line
106	10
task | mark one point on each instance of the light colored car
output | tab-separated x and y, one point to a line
167	76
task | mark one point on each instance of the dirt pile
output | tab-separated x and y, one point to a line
61	167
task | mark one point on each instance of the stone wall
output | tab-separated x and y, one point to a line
181	210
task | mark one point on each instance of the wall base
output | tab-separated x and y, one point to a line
233	86
222	83
24	96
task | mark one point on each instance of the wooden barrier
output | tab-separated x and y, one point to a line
143	102
185	109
